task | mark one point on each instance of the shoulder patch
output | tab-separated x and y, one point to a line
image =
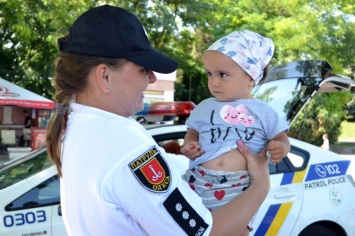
152	171
183	214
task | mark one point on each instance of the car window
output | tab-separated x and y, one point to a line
172	146
296	160
44	194
279	99
171	142
24	170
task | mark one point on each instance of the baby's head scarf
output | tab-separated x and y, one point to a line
249	50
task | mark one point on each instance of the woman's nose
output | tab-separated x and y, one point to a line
152	77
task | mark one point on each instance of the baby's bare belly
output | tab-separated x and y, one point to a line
229	161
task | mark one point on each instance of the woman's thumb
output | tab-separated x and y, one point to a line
243	149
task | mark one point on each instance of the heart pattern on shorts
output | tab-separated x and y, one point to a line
192	186
192	179
208	185
223	180
245	188
235	185
202	172
219	195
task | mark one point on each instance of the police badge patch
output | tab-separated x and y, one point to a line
152	171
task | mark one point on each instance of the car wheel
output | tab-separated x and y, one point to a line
317	230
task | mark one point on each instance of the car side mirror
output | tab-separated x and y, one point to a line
60	210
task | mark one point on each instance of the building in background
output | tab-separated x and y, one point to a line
14	100
162	90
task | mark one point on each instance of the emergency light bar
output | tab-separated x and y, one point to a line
165	111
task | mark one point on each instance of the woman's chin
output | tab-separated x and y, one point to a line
139	107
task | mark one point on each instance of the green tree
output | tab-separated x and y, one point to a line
323	115
183	29
29	30
28	33
350	107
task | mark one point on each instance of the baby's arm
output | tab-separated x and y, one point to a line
279	147
191	147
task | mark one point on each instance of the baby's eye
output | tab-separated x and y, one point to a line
222	75
208	74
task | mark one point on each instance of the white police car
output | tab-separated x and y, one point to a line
312	191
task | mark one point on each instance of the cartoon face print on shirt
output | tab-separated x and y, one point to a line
246	120
239	120
236	115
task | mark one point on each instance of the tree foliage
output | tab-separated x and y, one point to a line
323	115
183	29
28	31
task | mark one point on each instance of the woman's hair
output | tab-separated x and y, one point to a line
70	78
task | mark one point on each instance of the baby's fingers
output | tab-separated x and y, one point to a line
197	154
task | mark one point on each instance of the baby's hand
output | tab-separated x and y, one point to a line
192	150
277	151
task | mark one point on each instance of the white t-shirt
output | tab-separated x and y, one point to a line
117	181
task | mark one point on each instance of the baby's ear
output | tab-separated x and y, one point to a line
251	82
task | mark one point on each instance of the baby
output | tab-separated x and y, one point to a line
234	65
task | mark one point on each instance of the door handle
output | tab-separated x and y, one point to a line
284	195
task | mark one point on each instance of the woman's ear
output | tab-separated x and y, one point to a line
102	78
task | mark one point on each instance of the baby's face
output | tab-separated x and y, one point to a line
227	81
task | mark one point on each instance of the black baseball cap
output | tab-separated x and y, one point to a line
113	32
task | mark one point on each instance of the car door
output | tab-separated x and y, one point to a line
25	206
282	206
23	216
281	209
47	194
52	192
58	228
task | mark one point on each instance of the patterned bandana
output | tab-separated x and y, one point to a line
249	50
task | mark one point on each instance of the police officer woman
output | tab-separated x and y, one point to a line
115	180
